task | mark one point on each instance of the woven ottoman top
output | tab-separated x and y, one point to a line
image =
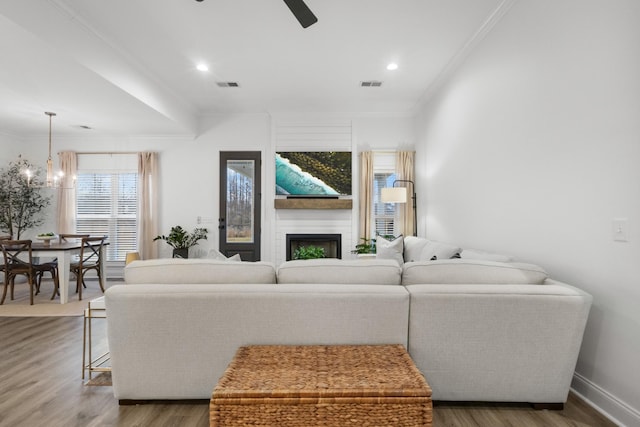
338	371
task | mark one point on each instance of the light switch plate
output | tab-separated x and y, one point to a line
620	229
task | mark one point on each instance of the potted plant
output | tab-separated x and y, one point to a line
22	206
366	246
181	240
308	252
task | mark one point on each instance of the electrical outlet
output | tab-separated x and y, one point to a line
620	229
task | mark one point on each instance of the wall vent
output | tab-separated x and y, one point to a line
371	83
228	84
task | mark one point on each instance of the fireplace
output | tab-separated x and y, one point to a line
332	243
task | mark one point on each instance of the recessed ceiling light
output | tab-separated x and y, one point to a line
202	67
392	66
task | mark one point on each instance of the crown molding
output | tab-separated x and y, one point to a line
463	53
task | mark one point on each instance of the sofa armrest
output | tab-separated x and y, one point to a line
517	343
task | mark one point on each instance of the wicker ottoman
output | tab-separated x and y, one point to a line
305	386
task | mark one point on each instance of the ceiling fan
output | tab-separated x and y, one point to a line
300	10
302	13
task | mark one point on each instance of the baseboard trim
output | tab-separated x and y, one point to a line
131	402
604	402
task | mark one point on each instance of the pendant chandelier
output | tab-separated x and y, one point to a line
54	179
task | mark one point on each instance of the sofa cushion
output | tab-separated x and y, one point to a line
464	271
337	271
198	271
390	248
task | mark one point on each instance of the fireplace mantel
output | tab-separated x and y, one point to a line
313	203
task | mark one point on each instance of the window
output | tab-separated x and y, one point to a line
107	204
384	214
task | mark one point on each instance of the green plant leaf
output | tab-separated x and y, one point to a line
309	252
179	238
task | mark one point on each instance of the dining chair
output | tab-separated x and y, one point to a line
18	260
66	237
50	267
90	259
62	238
3	237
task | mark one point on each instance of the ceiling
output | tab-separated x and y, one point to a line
128	67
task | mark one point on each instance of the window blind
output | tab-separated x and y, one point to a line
107	204
384	214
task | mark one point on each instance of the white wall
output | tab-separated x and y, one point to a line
9	149
12	146
532	148
367	132
191	173
190	168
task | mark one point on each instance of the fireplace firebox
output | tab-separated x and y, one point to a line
332	244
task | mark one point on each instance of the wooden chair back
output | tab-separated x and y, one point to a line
91	251
67	237
18	258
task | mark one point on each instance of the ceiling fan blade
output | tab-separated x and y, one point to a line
302	13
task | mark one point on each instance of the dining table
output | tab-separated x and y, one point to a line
63	252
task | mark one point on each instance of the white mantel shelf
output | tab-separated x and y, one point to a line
313	203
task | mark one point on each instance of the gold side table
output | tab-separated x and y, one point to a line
95	310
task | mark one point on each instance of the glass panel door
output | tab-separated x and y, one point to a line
240	182
239	221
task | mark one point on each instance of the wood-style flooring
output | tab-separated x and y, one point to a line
41	385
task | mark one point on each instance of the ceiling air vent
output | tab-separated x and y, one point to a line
371	83
228	84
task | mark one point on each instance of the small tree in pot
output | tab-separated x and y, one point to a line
22	206
181	240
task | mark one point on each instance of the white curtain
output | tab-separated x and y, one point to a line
366	194
147	204
67	193
405	171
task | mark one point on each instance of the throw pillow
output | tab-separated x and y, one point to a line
217	255
440	250
390	249
413	247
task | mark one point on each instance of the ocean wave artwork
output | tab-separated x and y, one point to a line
313	173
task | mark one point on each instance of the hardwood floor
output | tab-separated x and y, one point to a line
41	385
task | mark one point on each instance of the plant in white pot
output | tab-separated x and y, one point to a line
181	240
22	205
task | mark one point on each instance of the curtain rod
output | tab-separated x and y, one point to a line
390	151
103	152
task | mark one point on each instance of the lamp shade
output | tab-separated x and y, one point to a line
394	195
131	256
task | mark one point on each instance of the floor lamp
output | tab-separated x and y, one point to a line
395	194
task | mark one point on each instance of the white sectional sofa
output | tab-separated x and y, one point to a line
493	331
